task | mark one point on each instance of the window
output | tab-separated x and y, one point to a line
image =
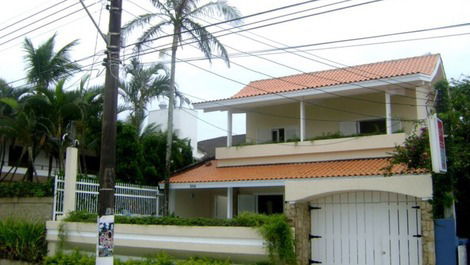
278	135
372	126
265	204
270	204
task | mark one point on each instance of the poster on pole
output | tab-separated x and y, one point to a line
105	244
437	144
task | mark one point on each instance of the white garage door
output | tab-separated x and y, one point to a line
373	228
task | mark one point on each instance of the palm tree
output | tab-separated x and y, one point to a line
144	85
44	65
181	16
58	108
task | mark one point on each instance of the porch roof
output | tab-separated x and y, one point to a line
210	172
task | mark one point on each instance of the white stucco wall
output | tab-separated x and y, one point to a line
184	123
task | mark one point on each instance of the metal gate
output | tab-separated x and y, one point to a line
366	228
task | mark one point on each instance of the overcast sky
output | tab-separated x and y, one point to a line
375	18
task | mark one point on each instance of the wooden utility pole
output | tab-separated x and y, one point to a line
108	138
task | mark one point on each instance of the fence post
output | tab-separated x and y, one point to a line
71	161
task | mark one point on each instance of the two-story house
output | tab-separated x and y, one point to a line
316	148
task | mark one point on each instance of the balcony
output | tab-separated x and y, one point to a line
303	151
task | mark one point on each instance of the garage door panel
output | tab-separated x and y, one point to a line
366	228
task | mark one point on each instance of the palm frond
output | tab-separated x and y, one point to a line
138	22
150	33
219	8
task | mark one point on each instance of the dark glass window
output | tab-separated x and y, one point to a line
372	126
278	135
270	204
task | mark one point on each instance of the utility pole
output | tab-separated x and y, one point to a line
105	244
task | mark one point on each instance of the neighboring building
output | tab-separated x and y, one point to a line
342	205
207	147
184	123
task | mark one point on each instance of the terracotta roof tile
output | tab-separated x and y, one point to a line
209	172
414	65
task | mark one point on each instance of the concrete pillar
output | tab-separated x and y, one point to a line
421	101
388	113
71	163
302	121
229	203
427	232
299	217
229	128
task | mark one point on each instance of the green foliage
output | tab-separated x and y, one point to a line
279	236
244	219
26	189
203	261
20	240
141	159
75	258
129	157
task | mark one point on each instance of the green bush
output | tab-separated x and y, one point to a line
244	219
280	239
26	189
20	240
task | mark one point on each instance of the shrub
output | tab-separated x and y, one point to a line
20	240
26	189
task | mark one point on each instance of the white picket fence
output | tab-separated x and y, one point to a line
130	199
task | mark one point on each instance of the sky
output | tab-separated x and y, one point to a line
322	21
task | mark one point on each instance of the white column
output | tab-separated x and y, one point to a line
388	113
302	121
229	128
71	162
229	203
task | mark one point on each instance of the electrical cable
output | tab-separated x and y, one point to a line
33	15
36	21
15	44
237	19
53	21
312	74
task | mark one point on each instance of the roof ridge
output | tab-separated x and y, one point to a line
347	67
310	162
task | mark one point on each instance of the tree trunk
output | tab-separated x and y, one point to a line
169	137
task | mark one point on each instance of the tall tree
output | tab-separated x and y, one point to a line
143	85
45	65
181	17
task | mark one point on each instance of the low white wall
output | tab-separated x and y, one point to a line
240	244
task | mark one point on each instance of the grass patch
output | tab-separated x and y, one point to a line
21	240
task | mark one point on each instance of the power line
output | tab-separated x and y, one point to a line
312	74
15	44
53	21
33	15
290	98
36	21
345	67
232	20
